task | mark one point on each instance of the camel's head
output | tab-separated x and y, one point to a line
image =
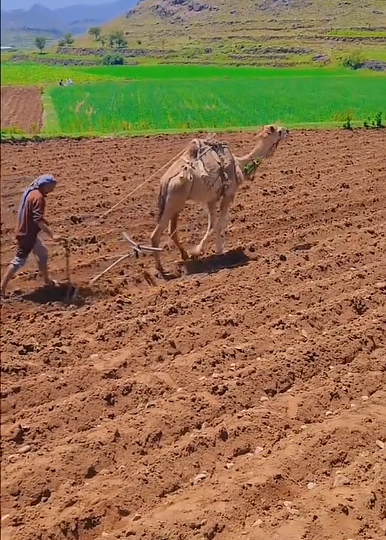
278	133
273	135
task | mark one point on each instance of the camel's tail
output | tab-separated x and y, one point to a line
184	174
162	196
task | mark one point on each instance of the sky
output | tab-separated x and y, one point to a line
7	5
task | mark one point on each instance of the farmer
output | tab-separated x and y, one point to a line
30	222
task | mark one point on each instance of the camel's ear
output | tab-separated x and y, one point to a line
269	130
283	132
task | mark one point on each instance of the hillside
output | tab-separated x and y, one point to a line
253	29
20	26
8	5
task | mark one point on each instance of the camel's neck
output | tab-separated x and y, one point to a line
259	151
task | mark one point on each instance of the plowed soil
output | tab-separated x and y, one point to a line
21	108
245	398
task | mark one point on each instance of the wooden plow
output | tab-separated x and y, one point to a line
136	250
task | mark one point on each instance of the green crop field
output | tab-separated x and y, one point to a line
167	98
167	105
29	74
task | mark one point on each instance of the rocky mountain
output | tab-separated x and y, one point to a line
8	5
19	25
253	30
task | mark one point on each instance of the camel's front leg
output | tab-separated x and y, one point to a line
197	250
174	236
222	224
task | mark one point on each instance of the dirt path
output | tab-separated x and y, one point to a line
21	108
244	403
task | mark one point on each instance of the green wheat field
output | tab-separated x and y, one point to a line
145	99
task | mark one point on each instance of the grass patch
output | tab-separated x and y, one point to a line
377	54
43	75
358	34
167	105
50	117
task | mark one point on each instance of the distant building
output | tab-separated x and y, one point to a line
7	49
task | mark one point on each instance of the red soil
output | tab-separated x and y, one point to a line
21	108
218	405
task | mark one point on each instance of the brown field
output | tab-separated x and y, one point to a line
227	403
21	108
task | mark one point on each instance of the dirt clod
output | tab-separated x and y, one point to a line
24	449
341	480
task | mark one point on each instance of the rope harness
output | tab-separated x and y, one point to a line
218	150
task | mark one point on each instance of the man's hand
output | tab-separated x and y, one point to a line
44	228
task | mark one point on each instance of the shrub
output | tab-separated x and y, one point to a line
377	122
113	60
353	61
347	121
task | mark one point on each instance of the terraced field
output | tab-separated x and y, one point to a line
243	399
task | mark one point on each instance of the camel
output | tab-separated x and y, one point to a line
208	172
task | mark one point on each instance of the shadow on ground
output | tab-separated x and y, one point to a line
63	293
210	265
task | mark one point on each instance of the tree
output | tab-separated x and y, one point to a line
117	39
113	60
95	32
68	39
120	40
111	40
40	43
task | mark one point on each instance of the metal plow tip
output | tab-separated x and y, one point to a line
71	294
136	250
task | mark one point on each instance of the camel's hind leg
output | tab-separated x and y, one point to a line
171	202
173	233
222	224
197	250
170	216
